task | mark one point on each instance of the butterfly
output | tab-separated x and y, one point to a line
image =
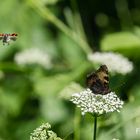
6	38
98	81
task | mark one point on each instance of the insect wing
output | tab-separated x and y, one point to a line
98	82
13	38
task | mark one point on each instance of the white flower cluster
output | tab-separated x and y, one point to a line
33	56
96	103
43	133
115	62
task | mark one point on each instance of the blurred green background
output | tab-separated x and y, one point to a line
67	30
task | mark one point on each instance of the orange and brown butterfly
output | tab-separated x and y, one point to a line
98	81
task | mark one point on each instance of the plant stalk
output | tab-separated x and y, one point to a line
49	16
95	128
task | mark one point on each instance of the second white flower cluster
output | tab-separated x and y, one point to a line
115	62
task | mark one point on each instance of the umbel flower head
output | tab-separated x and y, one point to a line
33	56
96	103
115	62
43	132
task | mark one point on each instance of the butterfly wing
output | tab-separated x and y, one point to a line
13	38
1	37
98	82
94	83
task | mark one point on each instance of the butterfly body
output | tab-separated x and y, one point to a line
6	38
98	81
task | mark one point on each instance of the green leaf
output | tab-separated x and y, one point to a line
54	84
123	42
53	109
49	2
72	53
126	118
11	95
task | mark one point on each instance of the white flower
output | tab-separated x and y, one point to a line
115	62
96	103
43	133
33	56
115	139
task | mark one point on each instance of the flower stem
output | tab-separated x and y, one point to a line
49	16
95	127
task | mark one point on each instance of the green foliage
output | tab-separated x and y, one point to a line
123	42
32	95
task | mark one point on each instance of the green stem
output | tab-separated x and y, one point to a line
121	128
95	127
48	15
124	122
124	14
